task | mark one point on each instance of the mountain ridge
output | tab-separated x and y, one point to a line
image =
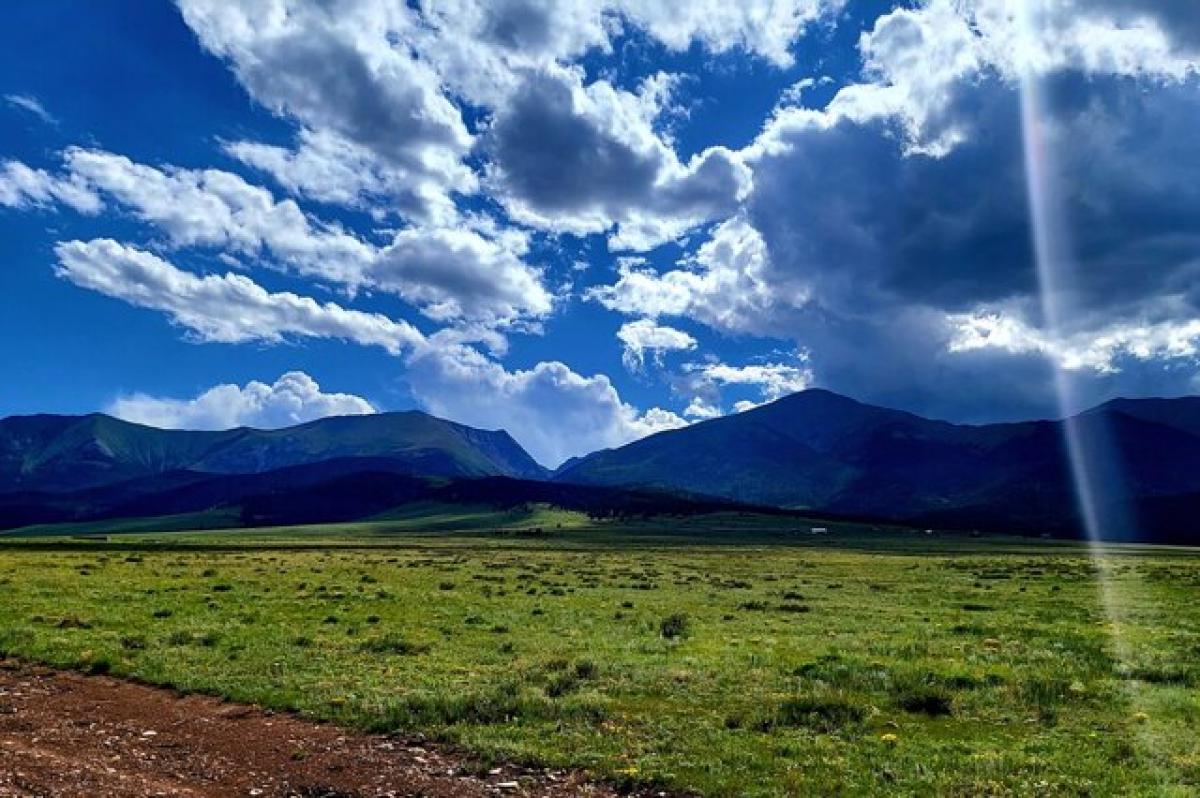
71	452
823	452
814	451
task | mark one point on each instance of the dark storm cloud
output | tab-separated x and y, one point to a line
892	243
866	223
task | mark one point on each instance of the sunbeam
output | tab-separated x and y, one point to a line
1101	491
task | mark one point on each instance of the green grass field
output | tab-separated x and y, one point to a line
722	655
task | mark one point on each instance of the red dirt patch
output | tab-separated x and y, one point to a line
66	734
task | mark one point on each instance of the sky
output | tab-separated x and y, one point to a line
585	221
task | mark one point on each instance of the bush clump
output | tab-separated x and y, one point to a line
393	644
932	701
826	713
674	626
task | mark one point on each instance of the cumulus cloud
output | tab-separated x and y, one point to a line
22	187
210	207
458	273
553	411
228	308
372	86
773	380
341	68
326	167
1100	350
642	336
727	284
478	47
292	399
766	29
585	159
701	410
918	59
902	204
473	272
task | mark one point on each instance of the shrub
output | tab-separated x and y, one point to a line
133	642
73	622
561	684
393	644
931	701
98	667
823	711
500	704
182	638
674	626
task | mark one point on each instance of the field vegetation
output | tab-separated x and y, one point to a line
725	656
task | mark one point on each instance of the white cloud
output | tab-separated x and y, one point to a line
23	188
210	207
292	399
477	47
458	273
369	83
472	272
347	72
642	336
773	380
917	60
329	168
767	29
701	410
1099	350
31	105
553	411
229	308
728	284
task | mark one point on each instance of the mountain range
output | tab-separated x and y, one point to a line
825	452
814	451
73	452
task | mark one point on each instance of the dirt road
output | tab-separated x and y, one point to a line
65	734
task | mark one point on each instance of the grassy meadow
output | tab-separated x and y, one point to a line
723	656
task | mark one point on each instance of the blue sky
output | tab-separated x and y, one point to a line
588	220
